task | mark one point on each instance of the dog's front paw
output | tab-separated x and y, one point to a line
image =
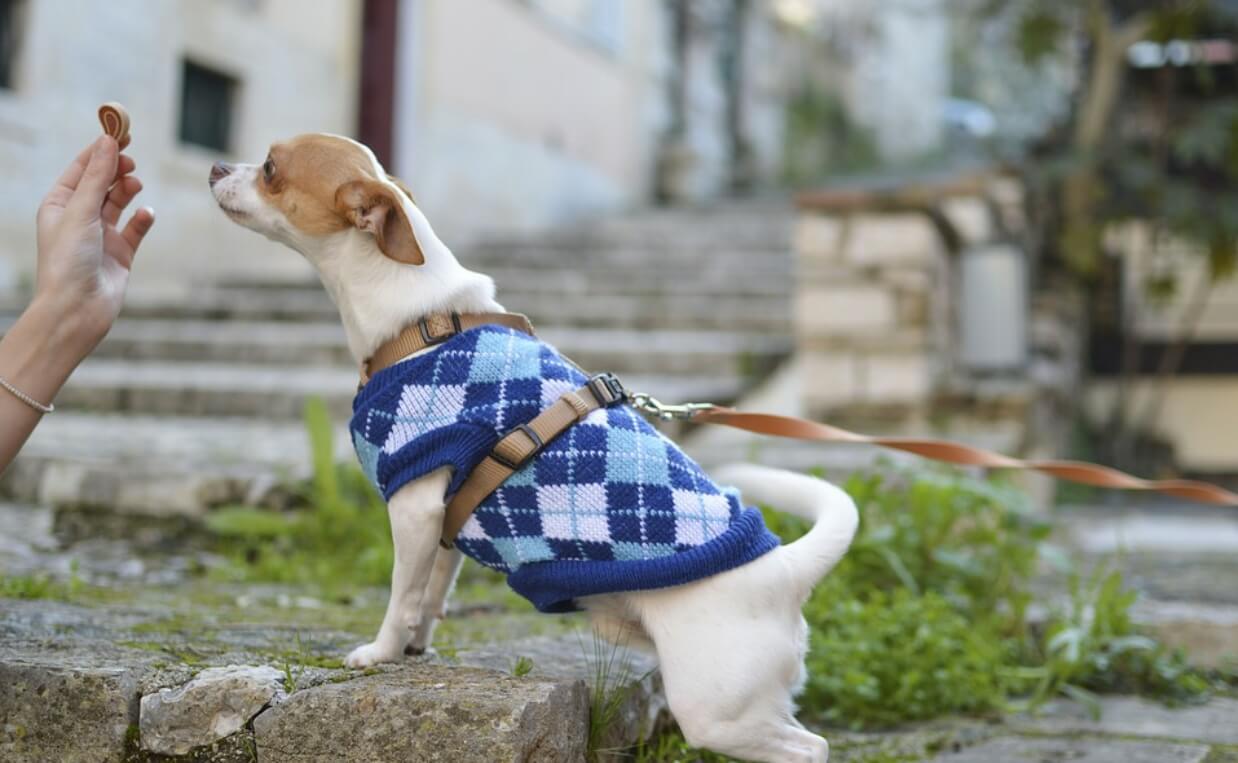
370	654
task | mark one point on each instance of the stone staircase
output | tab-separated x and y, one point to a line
195	399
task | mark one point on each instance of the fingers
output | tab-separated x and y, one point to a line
137	228
66	184
119	197
96	179
73	173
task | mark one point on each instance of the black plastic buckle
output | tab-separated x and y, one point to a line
527	431
429	339
607	389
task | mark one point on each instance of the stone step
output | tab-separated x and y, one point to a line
546	305
156	465
206	389
662	296
696	278
302	343
669	255
667	352
1181	557
299	302
653	312
280	392
113	687
319	350
683	230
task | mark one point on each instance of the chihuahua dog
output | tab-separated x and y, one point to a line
730	641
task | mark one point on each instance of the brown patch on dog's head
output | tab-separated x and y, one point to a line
324	184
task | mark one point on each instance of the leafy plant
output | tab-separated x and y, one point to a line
1094	646
340	538
895	657
927	614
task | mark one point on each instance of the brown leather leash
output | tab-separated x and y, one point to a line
938	450
520	444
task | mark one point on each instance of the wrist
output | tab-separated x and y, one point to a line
63	326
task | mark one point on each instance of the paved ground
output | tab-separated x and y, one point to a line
76	668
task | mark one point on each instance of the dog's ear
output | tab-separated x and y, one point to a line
376	208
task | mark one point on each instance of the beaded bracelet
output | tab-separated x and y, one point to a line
28	400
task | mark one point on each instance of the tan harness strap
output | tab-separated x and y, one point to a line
436	329
521	444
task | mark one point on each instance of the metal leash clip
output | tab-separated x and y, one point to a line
664	411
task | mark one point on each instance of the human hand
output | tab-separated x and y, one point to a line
84	258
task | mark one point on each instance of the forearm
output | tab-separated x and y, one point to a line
36	355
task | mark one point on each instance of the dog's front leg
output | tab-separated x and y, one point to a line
434	605
416	512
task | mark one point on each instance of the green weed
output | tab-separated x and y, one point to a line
1093	646
32	587
523	666
612	686
44	586
673	748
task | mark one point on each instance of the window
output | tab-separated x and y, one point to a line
207	98
606	23
10	40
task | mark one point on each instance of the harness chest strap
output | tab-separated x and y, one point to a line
521	444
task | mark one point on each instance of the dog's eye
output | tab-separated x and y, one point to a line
268	170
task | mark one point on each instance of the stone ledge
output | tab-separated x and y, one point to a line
431	713
1213	723
895	194
73	693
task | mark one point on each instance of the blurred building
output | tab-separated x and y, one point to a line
201	80
502	114
509	115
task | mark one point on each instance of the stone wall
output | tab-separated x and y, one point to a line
914	314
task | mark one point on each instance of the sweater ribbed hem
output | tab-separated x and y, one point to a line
555	586
477	444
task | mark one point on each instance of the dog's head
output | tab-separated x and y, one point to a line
314	187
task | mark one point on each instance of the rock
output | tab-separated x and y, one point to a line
1076	750
630	695
1215	722
217	703
429	712
65	712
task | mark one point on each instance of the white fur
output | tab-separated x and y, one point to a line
731	647
376	296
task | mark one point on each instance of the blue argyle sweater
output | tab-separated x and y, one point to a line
610	505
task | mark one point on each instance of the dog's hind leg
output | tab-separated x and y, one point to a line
416	513
613	621
434	606
731	651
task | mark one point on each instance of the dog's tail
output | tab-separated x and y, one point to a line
832	512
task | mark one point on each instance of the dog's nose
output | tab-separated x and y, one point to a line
219	171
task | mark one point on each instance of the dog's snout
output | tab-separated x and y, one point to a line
219	171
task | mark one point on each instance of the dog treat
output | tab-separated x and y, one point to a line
115	121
